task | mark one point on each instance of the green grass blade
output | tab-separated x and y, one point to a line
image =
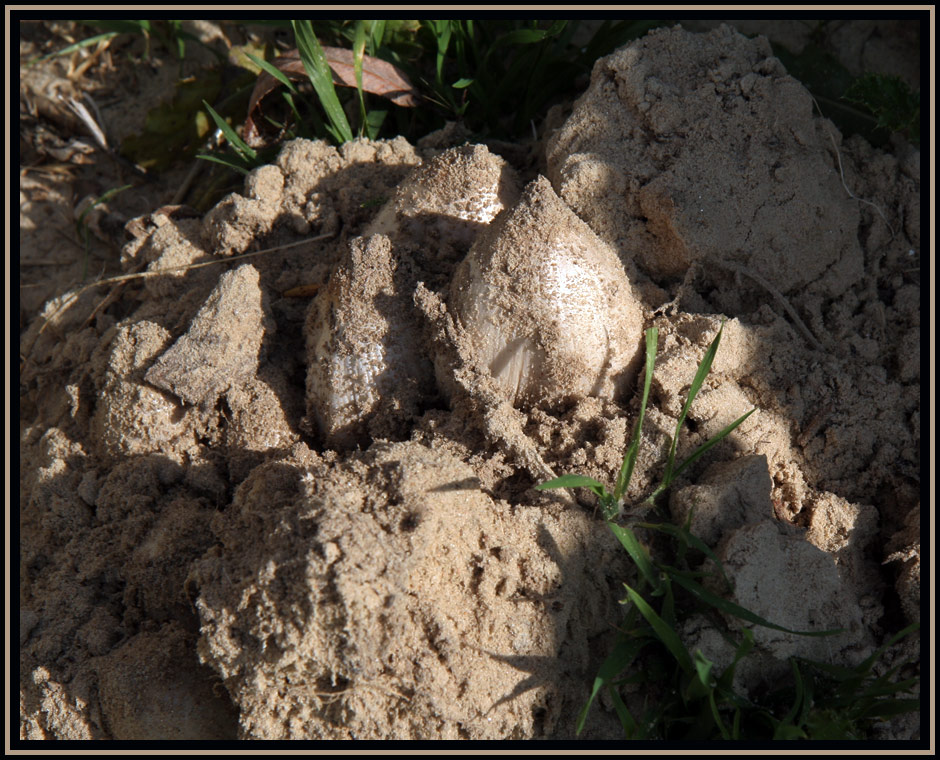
120	26
717	438
725	734
886	708
684	535
374	120
359	49
318	70
244	150
786	728
103	198
638	554
731	608
865	666
888	688
289	99
620	657
626	719
376	35
726	680
629	460
273	70
73	47
703	370
528	36
666	635
229	164
81	227
573	481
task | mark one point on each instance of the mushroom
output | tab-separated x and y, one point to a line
451	198
367	370
546	307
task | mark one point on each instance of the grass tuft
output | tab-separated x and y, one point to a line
692	698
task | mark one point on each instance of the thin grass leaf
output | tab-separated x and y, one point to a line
244	150
359	49
731	608
121	26
844	676
620	657
271	70
374	120
853	690
786	728
637	553
703	370
629	460
318	70
703	669
886	708
376	35
442	31
626	719
666	635
701	684
716	716
682	534
736	726
289	99
888	688
786	732
726	679
528	36
717	438
867	664
103	198
668	609
218	160
82	228
378	77
809	696
573	481
73	47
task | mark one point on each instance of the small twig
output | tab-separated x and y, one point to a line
814	425
71	297
779	297
842	177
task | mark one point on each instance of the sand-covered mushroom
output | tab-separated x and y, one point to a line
364	364
451	198
367	370
546	306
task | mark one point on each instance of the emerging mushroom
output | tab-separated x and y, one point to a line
546	306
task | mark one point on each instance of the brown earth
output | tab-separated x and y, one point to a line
247	514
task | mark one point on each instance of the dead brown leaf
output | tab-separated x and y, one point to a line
378	77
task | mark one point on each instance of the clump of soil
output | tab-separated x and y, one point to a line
384	569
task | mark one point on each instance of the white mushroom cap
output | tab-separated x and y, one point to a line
546	306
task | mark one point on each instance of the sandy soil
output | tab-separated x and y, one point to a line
247	513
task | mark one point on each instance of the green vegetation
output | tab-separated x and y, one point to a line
872	105
687	696
497	78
